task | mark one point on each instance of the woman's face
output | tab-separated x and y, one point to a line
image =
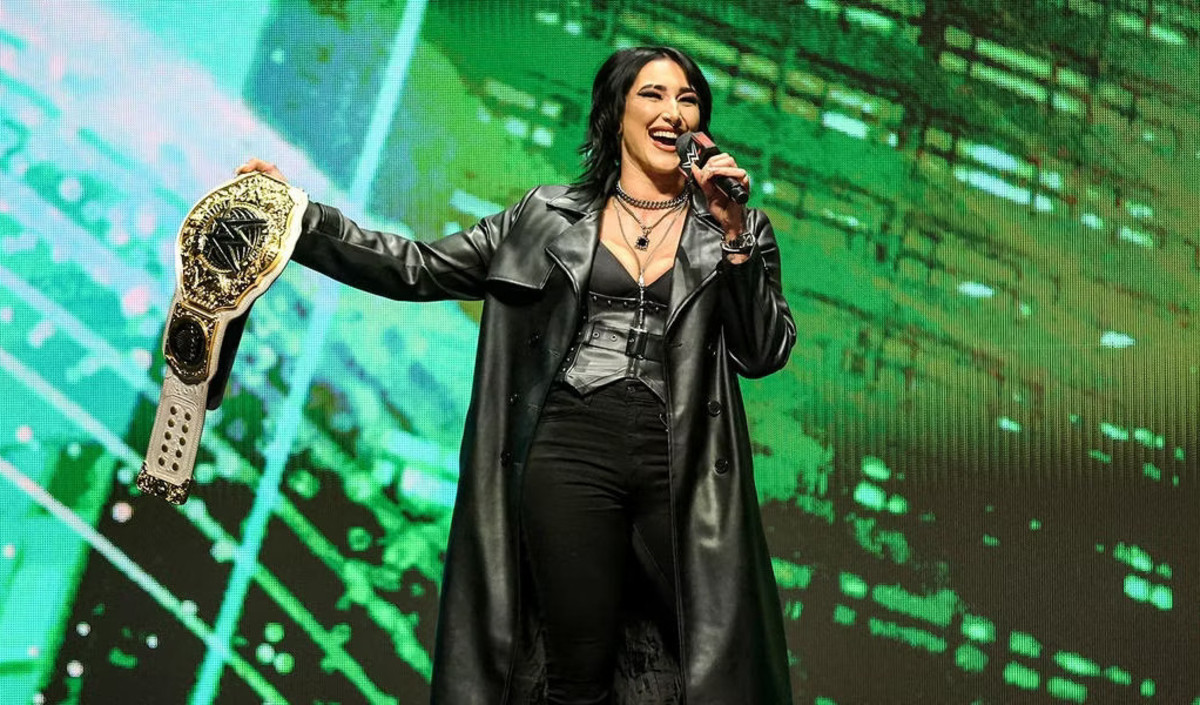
659	107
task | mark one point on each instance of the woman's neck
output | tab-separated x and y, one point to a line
642	186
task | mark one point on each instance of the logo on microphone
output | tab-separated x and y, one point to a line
689	152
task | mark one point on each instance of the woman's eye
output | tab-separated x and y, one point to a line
690	100
649	94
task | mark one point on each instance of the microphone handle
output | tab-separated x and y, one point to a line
733	188
696	148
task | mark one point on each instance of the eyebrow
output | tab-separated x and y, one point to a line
660	87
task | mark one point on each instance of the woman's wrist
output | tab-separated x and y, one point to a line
734	228
737	245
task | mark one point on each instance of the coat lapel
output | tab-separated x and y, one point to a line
566	233
574	249
698	256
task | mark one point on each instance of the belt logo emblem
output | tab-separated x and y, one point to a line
230	241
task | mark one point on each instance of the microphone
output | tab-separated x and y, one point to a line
697	148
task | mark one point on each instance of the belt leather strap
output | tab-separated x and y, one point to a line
232	246
632	342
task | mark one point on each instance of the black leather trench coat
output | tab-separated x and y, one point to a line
530	264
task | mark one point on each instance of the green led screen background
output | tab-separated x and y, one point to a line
978	473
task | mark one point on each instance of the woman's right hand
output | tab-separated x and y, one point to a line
256	164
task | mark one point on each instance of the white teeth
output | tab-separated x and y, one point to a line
665	134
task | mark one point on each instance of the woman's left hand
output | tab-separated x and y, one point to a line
731	215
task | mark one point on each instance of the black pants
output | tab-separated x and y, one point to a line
596	500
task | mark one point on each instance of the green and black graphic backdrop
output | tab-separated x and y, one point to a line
978	474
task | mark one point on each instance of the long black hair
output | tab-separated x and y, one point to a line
601	148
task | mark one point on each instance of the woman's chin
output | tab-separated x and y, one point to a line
663	170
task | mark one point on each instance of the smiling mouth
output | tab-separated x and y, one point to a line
665	138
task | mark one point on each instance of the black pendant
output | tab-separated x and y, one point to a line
642	242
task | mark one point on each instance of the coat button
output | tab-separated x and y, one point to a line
534	339
714	408
505	458
513	399
721	466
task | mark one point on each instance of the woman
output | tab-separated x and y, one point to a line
605	544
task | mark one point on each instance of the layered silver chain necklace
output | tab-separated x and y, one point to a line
670	205
642	244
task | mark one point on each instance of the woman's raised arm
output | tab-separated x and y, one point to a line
386	264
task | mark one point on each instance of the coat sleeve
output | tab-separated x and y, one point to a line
453	267
758	326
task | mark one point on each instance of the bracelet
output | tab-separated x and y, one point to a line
743	244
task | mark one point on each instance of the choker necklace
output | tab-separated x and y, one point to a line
651	205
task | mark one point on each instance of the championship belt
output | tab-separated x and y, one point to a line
232	246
